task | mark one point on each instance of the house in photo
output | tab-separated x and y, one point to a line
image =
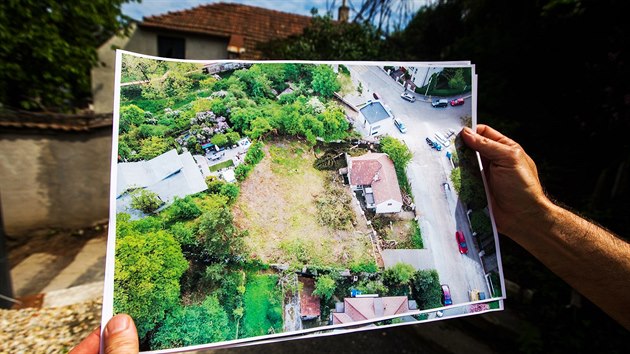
372	116
373	175
354	309
169	175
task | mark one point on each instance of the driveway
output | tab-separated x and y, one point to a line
440	212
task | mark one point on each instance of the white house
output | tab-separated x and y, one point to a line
169	175
374	175
372	116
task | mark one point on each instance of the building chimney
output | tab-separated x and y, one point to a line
344	12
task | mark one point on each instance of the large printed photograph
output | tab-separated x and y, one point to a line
256	200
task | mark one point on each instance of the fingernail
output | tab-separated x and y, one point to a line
468	131
117	324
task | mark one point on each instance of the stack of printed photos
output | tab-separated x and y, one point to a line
263	201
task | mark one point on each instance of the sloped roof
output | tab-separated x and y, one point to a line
141	174
365	308
375	170
249	25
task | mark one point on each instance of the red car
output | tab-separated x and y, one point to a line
461	242
457	102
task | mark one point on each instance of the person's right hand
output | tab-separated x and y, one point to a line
516	196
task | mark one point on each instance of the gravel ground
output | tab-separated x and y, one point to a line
47	330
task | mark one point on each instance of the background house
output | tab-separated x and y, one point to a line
213	31
373	175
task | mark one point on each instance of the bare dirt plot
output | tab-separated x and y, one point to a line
277	207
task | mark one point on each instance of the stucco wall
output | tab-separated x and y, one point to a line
54	179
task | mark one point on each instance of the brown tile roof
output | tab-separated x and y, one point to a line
254	24
377	171
365	308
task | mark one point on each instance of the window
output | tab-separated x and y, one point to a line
171	47
389	204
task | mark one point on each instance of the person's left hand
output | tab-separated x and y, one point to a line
120	337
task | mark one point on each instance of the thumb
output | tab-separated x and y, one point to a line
120	336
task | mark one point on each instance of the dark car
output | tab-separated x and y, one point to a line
429	142
457	102
461	242
439	103
446	295
376	96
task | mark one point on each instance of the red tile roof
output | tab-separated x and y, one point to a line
255	24
365	308
376	170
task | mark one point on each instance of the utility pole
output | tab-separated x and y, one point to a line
6	287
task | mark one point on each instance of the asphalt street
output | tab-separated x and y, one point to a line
439	210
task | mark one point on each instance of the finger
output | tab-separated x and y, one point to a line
120	336
492	150
490	133
90	345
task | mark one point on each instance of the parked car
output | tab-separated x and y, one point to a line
461	242
434	144
400	125
376	96
457	102
407	96
439	103
446	295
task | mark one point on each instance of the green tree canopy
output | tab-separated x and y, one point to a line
145	201
47	48
325	80
426	289
193	324
325	287
146	277
218	234
397	151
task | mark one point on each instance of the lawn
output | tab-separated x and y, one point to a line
263	306
277	206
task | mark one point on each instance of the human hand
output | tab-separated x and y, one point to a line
516	196
120	337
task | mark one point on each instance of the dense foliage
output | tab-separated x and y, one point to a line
48	47
148	268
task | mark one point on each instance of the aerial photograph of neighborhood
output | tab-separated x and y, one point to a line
260	199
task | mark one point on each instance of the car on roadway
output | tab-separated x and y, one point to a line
400	125
457	102
433	144
439	103
446	295
407	96
461	242
376	96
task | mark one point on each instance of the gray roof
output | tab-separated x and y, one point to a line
374	112
169	175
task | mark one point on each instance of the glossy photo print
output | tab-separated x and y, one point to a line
255	201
